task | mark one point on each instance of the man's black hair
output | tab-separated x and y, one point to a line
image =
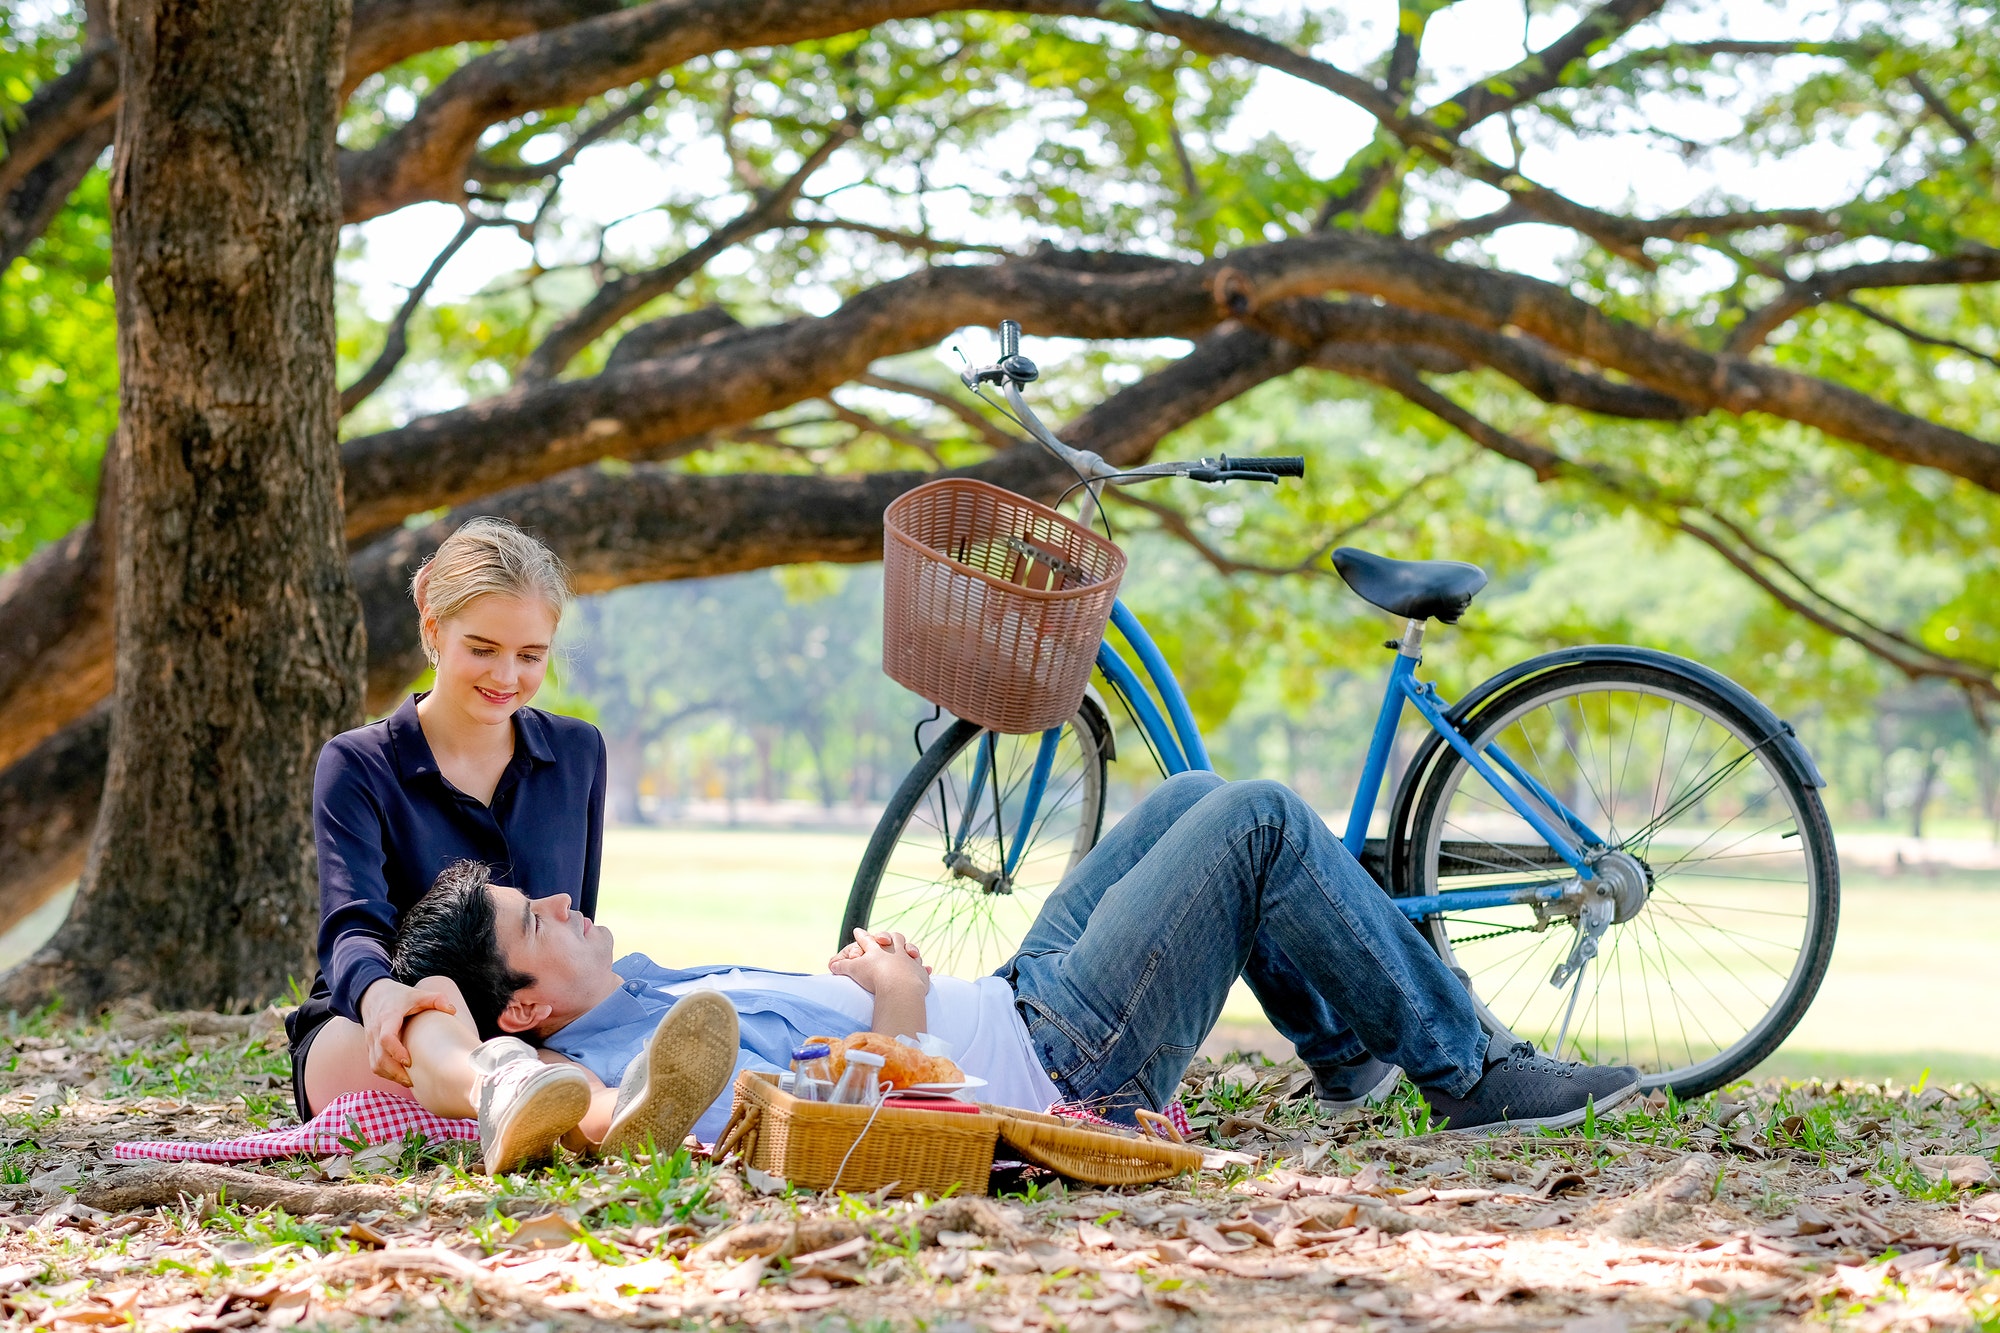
450	933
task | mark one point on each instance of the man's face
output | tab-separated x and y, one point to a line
567	954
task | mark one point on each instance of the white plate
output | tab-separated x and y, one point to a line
971	1081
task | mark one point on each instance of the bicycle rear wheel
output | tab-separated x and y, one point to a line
1722	956
950	864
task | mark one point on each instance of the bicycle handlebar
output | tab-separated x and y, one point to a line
1013	370
1291	466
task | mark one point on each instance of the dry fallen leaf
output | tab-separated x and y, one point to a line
1962	1171
544	1231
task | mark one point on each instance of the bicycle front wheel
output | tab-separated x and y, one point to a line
958	863
1724	943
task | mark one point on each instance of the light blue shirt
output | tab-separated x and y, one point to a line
771	1025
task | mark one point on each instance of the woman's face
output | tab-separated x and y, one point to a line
493	655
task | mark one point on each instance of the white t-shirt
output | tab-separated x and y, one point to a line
977	1018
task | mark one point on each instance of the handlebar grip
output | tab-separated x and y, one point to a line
1010	339
1277	467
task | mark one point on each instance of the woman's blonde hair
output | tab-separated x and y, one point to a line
485	556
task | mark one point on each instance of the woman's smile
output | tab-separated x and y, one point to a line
499	698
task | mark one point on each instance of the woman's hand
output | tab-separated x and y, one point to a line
385	1007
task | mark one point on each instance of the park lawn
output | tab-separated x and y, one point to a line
1912	986
1778	1207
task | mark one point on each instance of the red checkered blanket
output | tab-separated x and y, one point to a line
1175	1113
351	1120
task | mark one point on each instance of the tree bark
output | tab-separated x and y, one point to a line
237	630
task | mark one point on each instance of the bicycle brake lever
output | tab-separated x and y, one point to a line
1216	474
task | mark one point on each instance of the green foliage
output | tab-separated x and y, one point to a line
59	358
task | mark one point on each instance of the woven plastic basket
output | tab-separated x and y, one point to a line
925	1152
993	605
1095	1156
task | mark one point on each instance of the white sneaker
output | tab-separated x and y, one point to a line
680	1071
524	1105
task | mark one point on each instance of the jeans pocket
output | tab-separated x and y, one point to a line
1160	1077
1070	1039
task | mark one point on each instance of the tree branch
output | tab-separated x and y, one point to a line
1977	265
388	32
83	95
623	295
955	404
1806	601
1943	110
1492	300
27	212
488	172
397	343
658	337
1980	680
1314	323
1918	335
1543	70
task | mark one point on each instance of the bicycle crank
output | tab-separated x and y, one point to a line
989	881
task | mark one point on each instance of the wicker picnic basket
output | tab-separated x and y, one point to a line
1094	1156
807	1143
818	1147
993	605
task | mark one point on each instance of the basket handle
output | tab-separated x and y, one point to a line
739	1126
1158	1124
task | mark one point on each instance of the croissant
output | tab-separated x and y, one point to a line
903	1065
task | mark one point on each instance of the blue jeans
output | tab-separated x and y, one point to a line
1125	970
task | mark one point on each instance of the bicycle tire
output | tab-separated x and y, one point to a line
1421	858
918	911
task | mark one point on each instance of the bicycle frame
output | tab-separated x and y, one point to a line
1176	740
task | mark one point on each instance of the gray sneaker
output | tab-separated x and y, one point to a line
680	1071
1524	1089
1360	1082
524	1105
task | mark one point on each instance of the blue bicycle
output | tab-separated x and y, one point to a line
1622	852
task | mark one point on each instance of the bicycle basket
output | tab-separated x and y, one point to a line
993	605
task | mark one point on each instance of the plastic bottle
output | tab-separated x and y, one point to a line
861	1084
812	1072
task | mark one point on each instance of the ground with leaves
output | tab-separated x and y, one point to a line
1846	1205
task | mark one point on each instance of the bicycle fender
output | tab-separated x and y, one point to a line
1771	730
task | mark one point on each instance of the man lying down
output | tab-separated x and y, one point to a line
1115	986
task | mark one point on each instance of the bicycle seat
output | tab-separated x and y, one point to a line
1414	589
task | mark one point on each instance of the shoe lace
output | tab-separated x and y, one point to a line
1524	1057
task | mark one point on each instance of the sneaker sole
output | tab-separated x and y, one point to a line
1563	1121
531	1131
689	1060
1373	1097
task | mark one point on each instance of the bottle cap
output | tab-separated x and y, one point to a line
812	1050
869	1058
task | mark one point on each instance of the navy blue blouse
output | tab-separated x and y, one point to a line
387	822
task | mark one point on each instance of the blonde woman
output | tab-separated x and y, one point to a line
464	771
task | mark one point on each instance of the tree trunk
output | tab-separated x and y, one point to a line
239	648
1926	780
625	756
